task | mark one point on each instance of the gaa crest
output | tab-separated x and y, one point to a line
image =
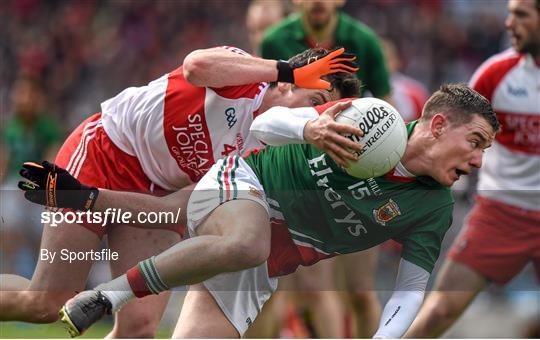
387	212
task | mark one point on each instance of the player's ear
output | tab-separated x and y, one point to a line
283	87
438	124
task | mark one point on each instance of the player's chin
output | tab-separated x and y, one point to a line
447	179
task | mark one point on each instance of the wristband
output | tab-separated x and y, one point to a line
88	204
285	72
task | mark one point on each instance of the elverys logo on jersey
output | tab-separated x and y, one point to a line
387	212
343	214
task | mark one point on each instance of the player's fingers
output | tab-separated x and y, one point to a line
30	175
26	185
342	60
344	68
333	110
346	55
346	128
34	196
319	84
345	154
32	171
340	161
346	142
341	152
334	54
344	63
32	165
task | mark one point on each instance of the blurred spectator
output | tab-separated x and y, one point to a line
29	134
83	51
320	23
260	15
408	94
501	232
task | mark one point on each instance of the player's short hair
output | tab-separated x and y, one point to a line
459	103
347	84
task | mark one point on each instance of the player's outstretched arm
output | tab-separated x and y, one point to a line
280	126
400	311
220	67
51	186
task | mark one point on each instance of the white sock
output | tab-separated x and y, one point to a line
118	291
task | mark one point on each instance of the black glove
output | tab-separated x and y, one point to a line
53	187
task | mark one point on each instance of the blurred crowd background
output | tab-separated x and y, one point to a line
60	58
83	52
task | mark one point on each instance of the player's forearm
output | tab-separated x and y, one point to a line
400	311
281	125
146	211
218	67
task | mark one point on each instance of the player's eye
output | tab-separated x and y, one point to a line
315	102
474	144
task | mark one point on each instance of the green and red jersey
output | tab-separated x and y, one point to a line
319	211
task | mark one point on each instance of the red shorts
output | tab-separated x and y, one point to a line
90	156
498	240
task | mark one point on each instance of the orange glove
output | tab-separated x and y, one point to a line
309	76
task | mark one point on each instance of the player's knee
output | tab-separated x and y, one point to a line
249	252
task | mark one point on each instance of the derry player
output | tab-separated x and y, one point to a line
502	231
162	137
255	218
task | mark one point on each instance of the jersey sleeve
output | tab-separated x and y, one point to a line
241	91
488	76
422	242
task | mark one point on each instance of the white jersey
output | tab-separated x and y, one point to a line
409	95
511	170
178	130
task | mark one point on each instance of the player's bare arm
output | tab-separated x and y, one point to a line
219	67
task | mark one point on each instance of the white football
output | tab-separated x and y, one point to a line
384	140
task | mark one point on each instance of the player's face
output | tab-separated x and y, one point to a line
523	24
318	13
298	97
459	149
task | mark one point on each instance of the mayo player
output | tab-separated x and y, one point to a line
256	218
502	231
164	137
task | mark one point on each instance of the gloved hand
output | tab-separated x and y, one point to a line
53	187
309	76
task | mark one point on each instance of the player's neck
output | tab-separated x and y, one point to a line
416	158
321	36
